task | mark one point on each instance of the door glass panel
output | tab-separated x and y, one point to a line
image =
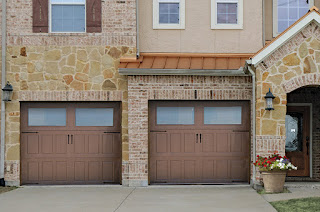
47	116
175	115
94	117
222	115
294	132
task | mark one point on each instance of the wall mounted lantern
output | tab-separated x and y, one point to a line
269	98
7	92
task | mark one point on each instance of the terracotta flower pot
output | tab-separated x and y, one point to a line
274	181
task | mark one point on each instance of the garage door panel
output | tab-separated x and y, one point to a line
94	171
93	143
47	142
208	169
222	169
61	171
32	144
237	173
47	170
176	169
162	168
189	143
222	142
190	169
79	171
208	143
107	144
211	150
175	142
79	144
61	144
108	171
161	143
70	154
33	171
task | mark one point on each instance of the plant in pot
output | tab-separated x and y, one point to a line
274	170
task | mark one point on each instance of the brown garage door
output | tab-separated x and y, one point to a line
70	143
199	141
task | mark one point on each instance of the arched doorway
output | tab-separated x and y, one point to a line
303	131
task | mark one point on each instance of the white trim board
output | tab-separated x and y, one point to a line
311	121
313	16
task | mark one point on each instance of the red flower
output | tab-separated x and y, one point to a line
265	165
258	164
258	156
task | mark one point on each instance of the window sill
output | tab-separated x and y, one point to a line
53	34
227	26
169	26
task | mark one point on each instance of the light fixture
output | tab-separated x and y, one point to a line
269	98
7	92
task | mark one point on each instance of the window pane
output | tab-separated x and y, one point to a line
47	116
227	13
222	115
232	19
68	18
174	19
94	117
175	115
289	11
164	19
169	13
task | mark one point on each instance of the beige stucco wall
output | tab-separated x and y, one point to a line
198	35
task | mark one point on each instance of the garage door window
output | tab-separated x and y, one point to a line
47	117
222	115
98	117
175	115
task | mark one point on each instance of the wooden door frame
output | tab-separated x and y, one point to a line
311	121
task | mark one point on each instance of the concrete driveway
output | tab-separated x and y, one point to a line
122	199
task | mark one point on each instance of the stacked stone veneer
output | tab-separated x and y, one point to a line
65	67
141	89
293	65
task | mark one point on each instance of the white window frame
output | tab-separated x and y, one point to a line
182	15
275	16
67	3
214	14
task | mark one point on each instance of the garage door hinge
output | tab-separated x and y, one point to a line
111	132
30	132
158	131
240	131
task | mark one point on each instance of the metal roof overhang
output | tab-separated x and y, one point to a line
215	72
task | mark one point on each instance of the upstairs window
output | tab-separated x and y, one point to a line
168	14
68	15
286	12
227	14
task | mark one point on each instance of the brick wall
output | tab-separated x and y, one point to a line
141	89
118	26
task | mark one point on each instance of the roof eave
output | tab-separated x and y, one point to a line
197	72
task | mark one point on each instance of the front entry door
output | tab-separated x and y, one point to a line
298	139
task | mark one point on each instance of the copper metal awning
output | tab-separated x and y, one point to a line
184	64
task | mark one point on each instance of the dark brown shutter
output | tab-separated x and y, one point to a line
40	15
93	15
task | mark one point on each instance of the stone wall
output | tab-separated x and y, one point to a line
62	73
65	67
141	89
293	65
